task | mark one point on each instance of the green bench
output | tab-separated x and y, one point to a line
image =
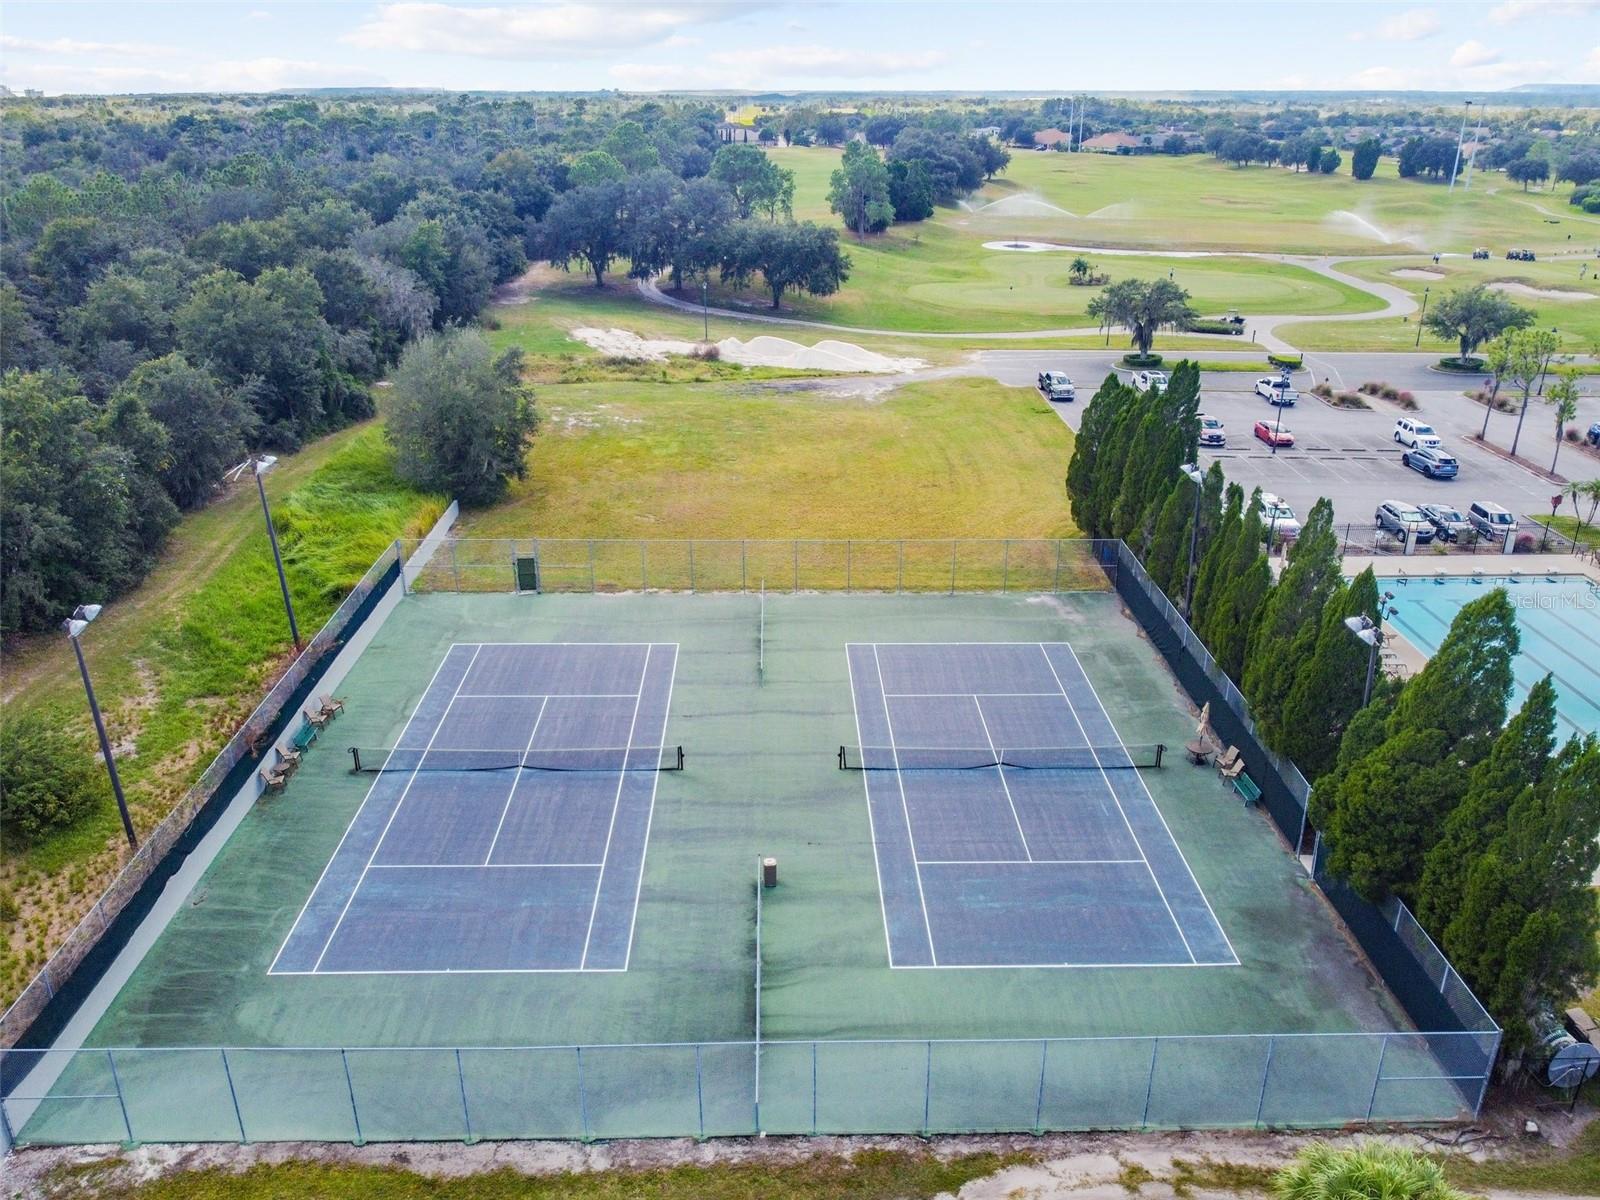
1248	790
304	736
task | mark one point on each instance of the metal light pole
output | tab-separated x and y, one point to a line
1420	317
1460	139
1277	427
1371	632
1191	472
259	465
75	625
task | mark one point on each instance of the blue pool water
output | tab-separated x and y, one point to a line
1560	624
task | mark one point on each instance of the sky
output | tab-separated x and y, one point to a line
85	46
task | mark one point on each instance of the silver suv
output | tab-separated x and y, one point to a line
1403	519
1490	520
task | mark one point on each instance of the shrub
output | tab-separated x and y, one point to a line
1389	392
1591	204
1456	363
1204	326
1406	401
1371	389
1524	544
1141	360
706	352
1350	400
1286	360
48	778
1365	1169
1323	390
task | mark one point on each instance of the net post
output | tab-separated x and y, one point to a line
841	758
1266	1073
1161	750
1377	1078
1150	1083
233	1094
466	1112
355	1111
1038	1101
122	1101
355	760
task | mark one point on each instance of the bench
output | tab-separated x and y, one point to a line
303	737
1249	791
274	777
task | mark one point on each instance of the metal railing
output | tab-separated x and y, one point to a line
783	565
248	742
706	1089
1367	538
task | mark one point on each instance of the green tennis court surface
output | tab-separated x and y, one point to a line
761	704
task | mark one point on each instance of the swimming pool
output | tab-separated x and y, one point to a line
1559	619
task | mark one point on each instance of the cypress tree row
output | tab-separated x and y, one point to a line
1326	693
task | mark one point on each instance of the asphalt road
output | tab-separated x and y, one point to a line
1347	455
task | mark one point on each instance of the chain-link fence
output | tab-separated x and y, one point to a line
1368	538
248	743
707	1089
782	565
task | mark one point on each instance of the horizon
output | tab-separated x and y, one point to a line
711	47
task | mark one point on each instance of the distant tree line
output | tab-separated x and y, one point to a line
1486	828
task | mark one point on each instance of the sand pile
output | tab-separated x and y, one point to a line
763	351
1414	273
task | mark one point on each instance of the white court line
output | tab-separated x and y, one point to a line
543	695
1104	778
1047	966
650	817
411	779
516	778
911	836
1023	862
327	866
1000	769
485	866
959	695
872	830
470	971
616	803
1159	816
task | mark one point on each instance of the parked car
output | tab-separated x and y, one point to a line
1480	252
1278	517
1145	380
1448	523
1521	255
1409	431
1402	518
1431	461
1212	433
1277	390
1056	386
1490	520
1273	435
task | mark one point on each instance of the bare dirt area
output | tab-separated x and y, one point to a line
1533	293
761	351
1087	1166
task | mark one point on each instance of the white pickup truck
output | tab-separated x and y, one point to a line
1056	386
1277	390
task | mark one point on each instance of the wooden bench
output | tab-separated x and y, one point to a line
275	776
329	707
303	737
1249	791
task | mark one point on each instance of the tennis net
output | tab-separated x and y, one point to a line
977	758
612	759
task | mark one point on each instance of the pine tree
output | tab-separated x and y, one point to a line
1169	543
1517	762
1218	547
1217	623
1283	642
1388	809
1326	693
1101	413
1239	615
1525	932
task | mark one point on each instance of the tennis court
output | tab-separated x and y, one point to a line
1011	827
506	829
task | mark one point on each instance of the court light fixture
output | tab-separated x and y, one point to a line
258	465
74	626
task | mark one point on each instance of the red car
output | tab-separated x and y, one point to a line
1273	437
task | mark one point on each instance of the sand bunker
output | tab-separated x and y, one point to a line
1533	293
1414	273
763	351
1025	247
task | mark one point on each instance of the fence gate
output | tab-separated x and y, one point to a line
527	573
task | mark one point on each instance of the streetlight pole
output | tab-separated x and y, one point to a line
1371	632
259	465
75	625
1421	316
1191	472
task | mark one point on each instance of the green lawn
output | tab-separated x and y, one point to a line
953	458
181	660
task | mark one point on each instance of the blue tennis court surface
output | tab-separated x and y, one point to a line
1008	866
1559	620
464	858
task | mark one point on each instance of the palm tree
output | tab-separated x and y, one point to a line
1563	395
1142	308
1589	491
1365	1171
1080	269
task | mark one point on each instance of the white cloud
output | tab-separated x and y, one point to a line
1516	10
533	32
1410	26
1474	54
71	46
831	61
242	75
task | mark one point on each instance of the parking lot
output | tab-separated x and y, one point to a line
1349	455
